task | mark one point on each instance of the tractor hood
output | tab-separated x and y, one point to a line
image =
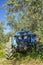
22	33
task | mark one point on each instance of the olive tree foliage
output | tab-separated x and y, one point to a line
1	32
4	37
30	15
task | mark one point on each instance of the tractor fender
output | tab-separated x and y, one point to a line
32	39
14	43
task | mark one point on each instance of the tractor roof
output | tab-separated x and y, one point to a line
22	33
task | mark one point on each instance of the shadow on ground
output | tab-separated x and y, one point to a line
26	58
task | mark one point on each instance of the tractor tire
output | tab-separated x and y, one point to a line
9	51
38	46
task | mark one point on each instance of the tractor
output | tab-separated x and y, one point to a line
21	42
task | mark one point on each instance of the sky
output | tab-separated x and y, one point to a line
2	15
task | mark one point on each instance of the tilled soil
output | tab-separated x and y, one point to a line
14	62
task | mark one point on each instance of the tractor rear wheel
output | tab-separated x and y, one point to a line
9	50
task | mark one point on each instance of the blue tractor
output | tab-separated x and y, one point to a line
22	41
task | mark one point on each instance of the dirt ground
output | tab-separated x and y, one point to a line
12	62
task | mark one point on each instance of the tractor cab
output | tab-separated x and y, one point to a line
22	36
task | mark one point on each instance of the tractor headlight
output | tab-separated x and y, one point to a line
20	38
25	37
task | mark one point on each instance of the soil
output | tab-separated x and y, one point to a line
14	62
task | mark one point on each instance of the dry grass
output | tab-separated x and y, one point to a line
14	62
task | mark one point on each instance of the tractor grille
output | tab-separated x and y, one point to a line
23	46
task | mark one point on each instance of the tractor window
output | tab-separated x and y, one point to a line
25	37
19	37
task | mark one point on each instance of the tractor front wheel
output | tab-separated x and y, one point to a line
38	46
